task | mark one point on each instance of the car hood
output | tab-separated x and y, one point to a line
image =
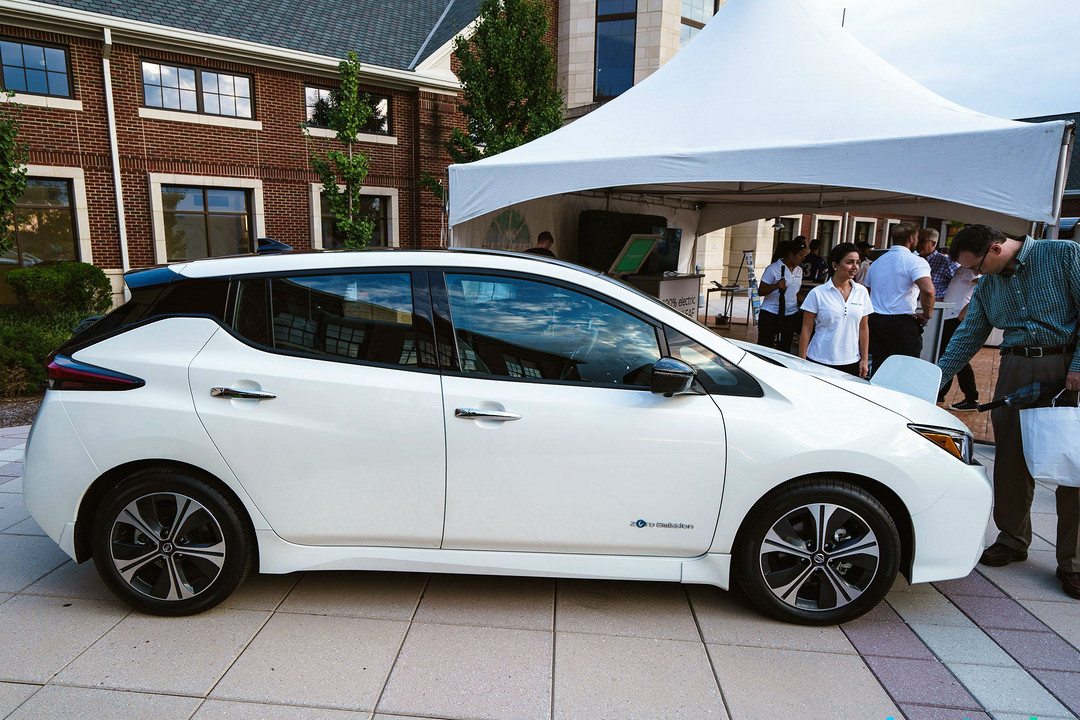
911	408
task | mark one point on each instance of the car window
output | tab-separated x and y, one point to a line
362	316
518	328
717	375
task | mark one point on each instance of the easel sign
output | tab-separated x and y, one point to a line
755	300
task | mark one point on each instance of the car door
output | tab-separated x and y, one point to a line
346	446
554	441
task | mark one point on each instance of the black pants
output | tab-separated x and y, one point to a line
771	334
1014	487
965	376
894	335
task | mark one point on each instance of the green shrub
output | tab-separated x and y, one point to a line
26	340
70	287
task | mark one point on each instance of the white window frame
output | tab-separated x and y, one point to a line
887	235
873	229
157	210
839	219
315	203
79	204
798	224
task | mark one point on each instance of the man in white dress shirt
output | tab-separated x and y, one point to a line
900	284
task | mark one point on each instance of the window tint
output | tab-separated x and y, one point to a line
205	222
251	317
511	327
366	317
178	297
717	375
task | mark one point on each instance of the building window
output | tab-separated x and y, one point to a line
172	87
827	232
205	222
35	69
377	207
695	13
616	24
864	232
44	225
785	233
320	102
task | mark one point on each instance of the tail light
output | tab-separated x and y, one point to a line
67	374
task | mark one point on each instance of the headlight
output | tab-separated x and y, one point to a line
955	442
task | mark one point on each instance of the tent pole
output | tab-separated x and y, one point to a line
1062	174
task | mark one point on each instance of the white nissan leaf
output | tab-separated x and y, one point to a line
479	412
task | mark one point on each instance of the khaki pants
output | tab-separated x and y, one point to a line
1013	484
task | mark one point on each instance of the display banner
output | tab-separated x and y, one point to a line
755	301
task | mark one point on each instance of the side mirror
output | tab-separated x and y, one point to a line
672	377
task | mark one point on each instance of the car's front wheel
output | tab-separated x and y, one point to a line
169	543
818	552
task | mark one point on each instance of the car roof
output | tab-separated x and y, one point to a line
369	257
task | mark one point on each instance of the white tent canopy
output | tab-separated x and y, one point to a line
774	109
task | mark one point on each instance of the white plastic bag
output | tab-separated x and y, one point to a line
1051	437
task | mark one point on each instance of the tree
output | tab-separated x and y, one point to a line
510	89
347	116
13	157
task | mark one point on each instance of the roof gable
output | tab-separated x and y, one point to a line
388	34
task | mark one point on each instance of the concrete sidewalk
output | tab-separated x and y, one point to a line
1002	643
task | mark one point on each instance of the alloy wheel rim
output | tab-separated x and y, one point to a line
167	546
819	557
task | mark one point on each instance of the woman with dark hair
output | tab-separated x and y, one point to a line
776	325
835	329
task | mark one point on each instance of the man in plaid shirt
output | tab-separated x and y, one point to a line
1030	289
942	268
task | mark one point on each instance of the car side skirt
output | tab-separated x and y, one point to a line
277	556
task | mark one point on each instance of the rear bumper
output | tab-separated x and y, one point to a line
58	470
949	534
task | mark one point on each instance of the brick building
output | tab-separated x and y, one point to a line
160	132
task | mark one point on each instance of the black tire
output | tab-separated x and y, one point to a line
166	570
794	573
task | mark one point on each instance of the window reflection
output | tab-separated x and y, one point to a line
364	316
510	327
34	69
44	228
205	222
716	375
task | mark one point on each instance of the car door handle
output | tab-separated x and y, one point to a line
474	414
234	394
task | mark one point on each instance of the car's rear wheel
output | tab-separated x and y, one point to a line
818	552
169	543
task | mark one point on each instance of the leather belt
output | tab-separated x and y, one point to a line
1036	351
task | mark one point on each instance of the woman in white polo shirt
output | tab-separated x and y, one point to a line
777	326
835	329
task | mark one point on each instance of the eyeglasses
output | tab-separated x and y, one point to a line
978	268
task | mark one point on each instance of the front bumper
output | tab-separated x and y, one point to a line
949	534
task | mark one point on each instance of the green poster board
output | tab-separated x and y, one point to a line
633	255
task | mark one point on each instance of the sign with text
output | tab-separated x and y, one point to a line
681	294
755	300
